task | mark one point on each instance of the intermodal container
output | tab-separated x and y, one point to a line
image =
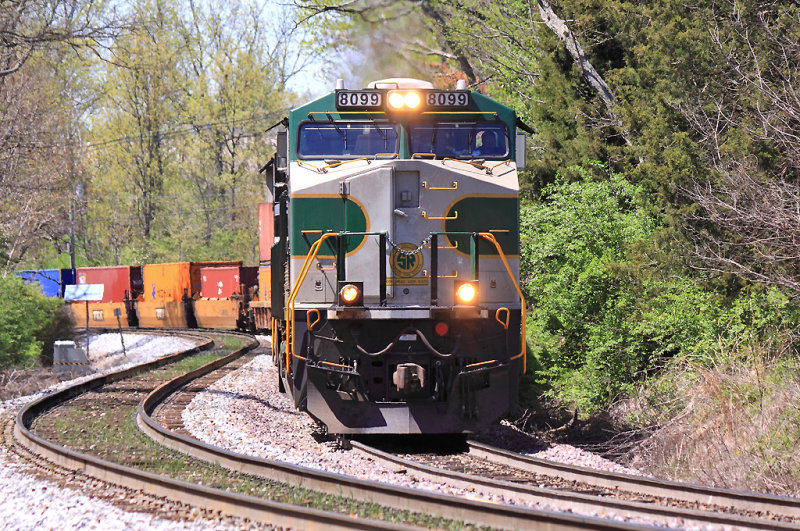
115	279
196	275
266	231
217	313
67	277
265	283
219	282
101	314
166	282
170	282
49	280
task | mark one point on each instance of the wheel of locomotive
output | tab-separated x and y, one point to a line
281	364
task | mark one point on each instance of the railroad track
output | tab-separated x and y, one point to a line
513	476
158	416
47	455
250	507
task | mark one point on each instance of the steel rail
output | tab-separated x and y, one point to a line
569	500
256	509
403	498
739	499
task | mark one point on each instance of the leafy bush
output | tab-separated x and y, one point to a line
29	323
608	306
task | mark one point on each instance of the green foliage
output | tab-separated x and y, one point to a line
4	258
607	309
186	111
29	323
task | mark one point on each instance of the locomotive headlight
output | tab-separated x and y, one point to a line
404	100
397	100
466	293
350	293
412	100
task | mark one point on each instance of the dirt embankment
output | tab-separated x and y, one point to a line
22	382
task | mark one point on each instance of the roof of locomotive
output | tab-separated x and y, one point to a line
325	108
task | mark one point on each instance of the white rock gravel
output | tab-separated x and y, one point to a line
244	412
29	503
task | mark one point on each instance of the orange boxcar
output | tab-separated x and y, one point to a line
101	314
169	290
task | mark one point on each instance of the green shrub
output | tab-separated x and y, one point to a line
29	323
609	305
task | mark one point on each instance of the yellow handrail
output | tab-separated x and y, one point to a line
489	236
273	347
439	218
336	365
324	169
331	268
453	186
427	275
481	363
490	168
444	247
508	317
476	164
290	331
304	163
308	319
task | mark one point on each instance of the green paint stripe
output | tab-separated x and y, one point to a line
482	214
325	214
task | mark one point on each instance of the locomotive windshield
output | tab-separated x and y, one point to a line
460	140
335	140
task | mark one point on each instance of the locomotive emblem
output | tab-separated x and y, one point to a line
406	265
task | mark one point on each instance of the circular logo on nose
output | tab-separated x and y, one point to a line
406	265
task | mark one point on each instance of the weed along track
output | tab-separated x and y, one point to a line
127	429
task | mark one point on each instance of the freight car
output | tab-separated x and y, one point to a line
395	299
217	295
51	282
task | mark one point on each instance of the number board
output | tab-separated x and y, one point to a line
358	99
437	98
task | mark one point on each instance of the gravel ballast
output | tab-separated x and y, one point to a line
29	502
244	412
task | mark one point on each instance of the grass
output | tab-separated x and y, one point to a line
734	424
103	423
231	343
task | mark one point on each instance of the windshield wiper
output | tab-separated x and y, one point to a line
433	138
336	126
380	132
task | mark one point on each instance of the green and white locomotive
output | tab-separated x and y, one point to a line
395	299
